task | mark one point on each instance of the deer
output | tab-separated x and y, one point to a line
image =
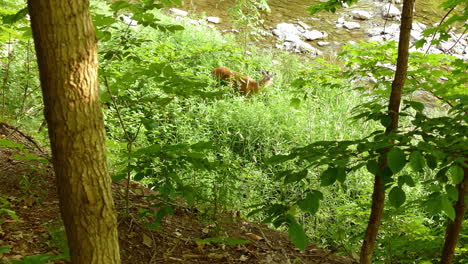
243	83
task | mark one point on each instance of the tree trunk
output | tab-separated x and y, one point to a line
66	50
454	227
378	196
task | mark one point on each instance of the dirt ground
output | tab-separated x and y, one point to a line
28	187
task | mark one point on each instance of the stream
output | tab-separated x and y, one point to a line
290	11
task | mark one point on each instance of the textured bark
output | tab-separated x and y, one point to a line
66	50
454	227
378	196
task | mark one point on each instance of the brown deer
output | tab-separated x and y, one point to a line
246	85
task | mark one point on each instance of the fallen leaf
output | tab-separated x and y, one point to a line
254	236
147	241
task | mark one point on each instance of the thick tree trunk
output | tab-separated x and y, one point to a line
454	227
66	50
378	196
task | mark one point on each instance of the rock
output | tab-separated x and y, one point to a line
178	12
293	38
303	25
214	20
299	46
417	26
351	25
323	43
286	31
361	14
313	35
377	38
390	11
415	35
340	20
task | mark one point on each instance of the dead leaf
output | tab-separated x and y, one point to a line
254	236
147	241
243	258
200	244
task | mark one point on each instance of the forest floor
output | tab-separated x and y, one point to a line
29	187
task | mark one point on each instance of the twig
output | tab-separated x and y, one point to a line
29	138
440	23
325	257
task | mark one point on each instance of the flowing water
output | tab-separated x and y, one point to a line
292	10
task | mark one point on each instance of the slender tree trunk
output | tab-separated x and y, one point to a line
378	196
454	227
66	50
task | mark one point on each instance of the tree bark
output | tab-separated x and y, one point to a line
378	196
66	49
454	227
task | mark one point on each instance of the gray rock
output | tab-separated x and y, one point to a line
340	20
214	20
390	11
351	25
303	25
361	14
286	31
178	12
313	35
323	43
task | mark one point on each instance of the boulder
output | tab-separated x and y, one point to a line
390	11
351	25
286	31
214	20
313	35
178	12
361	14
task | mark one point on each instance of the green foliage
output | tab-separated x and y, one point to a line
329	6
301	155
38	259
247	15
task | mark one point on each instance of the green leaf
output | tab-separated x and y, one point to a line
417	161
139	176
119	177
397	197
296	176
396	160
406	179
8	212
452	192
11	19
311	203
431	161
372	166
297	234
386	175
329	176
341	176
4	250
295	102
385	120
456	173
416	106
447	208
